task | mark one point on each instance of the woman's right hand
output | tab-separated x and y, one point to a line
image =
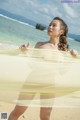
24	47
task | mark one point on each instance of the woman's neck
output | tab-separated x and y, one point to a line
54	41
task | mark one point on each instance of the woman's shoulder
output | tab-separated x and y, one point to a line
38	44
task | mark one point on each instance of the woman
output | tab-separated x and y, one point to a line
57	31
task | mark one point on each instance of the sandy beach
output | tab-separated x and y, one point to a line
32	113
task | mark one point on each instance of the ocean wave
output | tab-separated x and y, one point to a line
6	17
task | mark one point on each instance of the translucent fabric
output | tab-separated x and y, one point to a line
38	77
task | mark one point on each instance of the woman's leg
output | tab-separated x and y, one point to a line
45	112
19	110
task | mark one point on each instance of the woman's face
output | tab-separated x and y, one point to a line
54	29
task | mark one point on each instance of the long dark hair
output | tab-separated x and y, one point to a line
63	38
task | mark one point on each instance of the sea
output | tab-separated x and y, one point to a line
14	33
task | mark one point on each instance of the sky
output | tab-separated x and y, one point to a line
43	11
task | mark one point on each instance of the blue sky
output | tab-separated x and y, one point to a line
44	11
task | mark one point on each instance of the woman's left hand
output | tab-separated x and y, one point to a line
74	53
